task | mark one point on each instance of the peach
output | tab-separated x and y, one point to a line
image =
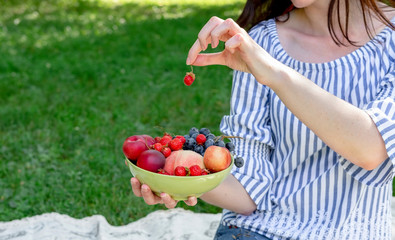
185	158
217	158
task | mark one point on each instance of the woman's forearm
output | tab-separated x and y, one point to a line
345	128
231	195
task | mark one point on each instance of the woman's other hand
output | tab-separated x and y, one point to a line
150	198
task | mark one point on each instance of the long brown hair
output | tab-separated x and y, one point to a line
256	11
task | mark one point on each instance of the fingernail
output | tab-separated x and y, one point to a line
188	61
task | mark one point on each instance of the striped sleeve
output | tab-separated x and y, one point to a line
249	120
257	174
382	112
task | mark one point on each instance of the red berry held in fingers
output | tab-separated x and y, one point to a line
200	139
195	170
180	171
189	77
188	80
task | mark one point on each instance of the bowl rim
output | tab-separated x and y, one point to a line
201	176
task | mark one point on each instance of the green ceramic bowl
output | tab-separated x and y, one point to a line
179	188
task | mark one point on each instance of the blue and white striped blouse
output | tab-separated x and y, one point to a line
302	188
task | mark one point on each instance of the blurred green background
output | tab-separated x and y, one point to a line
79	76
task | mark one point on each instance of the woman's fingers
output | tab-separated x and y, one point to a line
191	201
204	35
149	197
213	32
193	52
168	201
234	42
224	31
144	191
209	59
204	38
136	186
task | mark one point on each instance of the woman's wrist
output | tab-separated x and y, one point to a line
272	73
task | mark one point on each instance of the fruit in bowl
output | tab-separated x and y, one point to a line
134	145
151	160
182	158
181	165
217	158
179	187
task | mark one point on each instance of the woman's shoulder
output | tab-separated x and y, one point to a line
263	31
265	25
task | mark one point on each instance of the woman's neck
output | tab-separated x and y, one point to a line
305	35
313	20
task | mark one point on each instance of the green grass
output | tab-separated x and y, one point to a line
77	78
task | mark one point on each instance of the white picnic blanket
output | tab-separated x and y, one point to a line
170	224
173	224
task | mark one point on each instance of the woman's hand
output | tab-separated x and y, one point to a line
144	191
241	51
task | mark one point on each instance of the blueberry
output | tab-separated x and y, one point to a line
189	144
220	143
210	136
230	146
194	135
204	131
193	130
199	149
208	143
239	162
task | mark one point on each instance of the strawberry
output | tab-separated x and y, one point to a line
175	144
182	138
205	172
165	140
166	151
157	146
157	139
162	171
195	170
200	139
180	171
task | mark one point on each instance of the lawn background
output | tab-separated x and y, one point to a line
77	78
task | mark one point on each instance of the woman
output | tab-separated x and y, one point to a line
313	99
